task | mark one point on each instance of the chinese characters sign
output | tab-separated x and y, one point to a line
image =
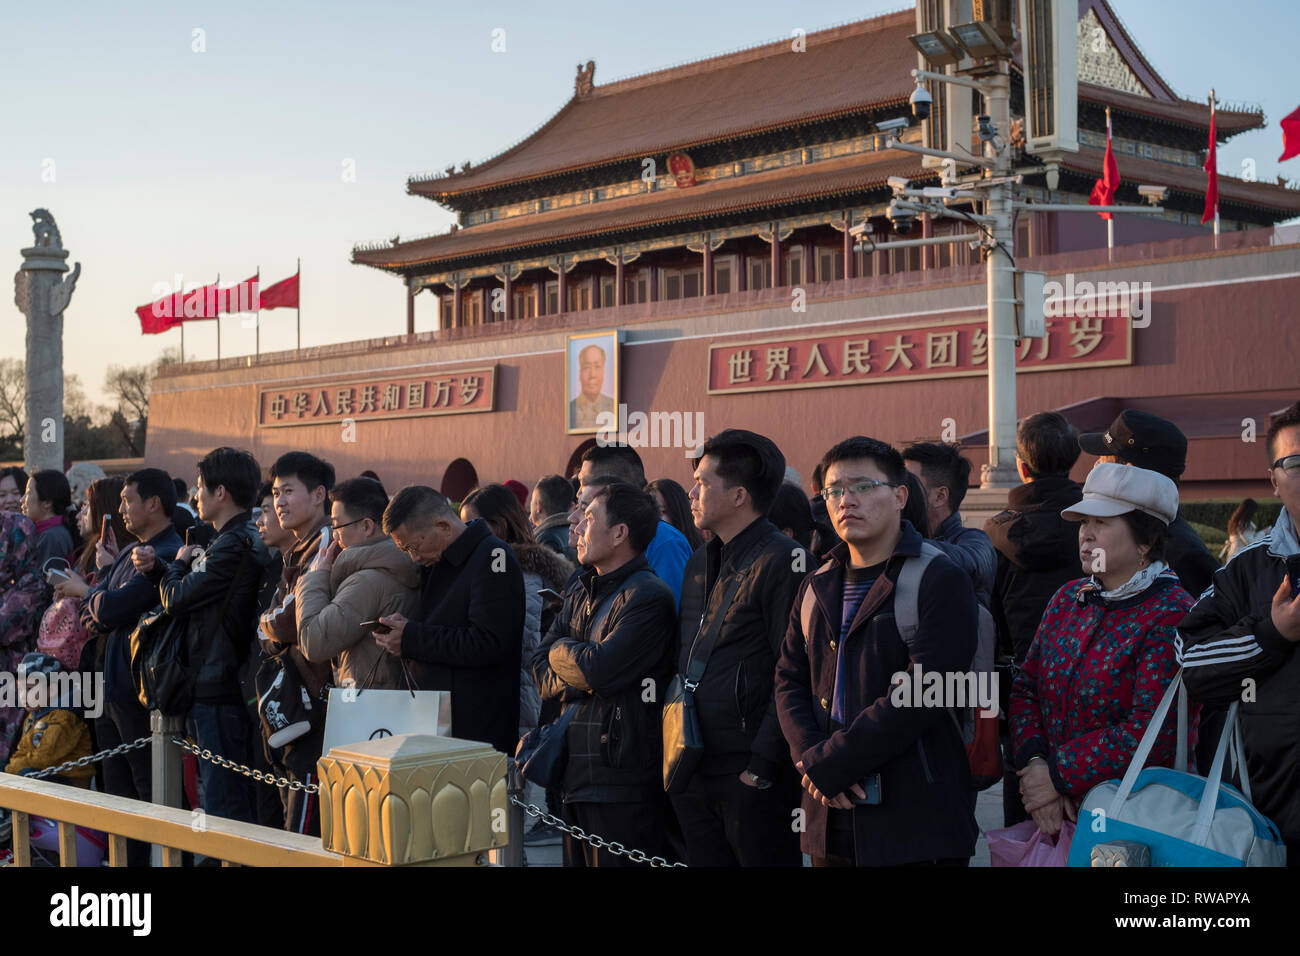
411	396
917	352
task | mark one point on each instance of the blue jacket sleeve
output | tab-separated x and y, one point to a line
106	608
668	555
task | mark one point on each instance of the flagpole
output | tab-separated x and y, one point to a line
218	318
257	315
1110	223
298	308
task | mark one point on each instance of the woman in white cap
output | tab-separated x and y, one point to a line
1103	655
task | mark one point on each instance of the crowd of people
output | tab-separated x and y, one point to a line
589	600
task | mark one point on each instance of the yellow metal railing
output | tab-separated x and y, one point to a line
176	831
408	800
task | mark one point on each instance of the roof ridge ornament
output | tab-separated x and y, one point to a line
585	81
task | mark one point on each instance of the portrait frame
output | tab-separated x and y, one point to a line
609	341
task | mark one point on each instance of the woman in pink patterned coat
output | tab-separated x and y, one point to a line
1103	655
23	597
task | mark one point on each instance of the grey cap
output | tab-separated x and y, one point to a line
1113	489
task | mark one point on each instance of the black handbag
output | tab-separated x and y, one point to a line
169	662
154	628
683	741
543	752
284	706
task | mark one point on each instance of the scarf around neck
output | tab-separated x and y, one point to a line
1138	583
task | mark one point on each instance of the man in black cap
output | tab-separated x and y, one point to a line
1142	439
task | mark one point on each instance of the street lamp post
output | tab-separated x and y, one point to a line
1000	472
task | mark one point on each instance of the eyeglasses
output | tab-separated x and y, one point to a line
859	488
411	550
1288	463
336	528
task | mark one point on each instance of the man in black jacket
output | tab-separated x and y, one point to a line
1038	552
1239	643
215	590
468	638
736	810
548	511
608	655
111	610
886	778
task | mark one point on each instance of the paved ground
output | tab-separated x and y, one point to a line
988	813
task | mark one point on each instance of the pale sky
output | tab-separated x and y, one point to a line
169	161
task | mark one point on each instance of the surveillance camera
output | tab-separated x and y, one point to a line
1153	194
892	125
897	183
921	101
987	130
901	218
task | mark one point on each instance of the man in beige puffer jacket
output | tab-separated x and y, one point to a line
360	577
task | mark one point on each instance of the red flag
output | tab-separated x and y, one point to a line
171	310
1290	136
1211	167
159	316
282	295
241	297
1103	191
200	304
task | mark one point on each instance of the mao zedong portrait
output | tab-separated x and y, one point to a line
590	402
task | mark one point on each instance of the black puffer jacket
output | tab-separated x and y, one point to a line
1038	553
226	575
614	633
734	699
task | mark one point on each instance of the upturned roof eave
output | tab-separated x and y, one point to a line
429	189
595	234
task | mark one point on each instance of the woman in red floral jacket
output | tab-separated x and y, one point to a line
1103	655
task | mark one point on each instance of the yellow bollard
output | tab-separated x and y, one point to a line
414	799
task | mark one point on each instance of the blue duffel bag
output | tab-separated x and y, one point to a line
1162	817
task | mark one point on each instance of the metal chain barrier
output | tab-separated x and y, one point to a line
93	758
618	849
257	775
594	840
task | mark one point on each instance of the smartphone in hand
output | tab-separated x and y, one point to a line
549	595
377	627
55	576
106	534
1293	574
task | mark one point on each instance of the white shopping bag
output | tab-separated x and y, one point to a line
354	716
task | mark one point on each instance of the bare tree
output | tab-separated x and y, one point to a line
13	399
129	387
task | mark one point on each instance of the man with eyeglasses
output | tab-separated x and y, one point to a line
886	782
360	577
1239	643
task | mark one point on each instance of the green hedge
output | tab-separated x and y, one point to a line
1213	537
1215	512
